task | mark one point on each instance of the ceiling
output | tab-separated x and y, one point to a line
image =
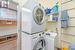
45	3
21	2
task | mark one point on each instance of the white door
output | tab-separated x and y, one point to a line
40	45
38	15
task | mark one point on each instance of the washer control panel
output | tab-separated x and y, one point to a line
48	34
37	35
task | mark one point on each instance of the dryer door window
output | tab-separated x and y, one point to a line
38	15
40	45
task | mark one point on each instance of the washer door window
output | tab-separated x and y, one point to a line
38	15
40	45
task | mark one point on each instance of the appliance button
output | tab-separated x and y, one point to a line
43	33
47	34
39	34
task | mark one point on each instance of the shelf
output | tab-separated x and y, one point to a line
54	13
52	21
8	23
9	9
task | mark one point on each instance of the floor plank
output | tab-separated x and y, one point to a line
11	45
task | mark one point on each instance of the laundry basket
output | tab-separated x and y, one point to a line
65	48
72	47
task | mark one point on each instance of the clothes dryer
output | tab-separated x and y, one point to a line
33	17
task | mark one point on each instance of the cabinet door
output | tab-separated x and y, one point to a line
8	23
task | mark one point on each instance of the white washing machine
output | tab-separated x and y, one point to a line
38	41
33	17
49	38
33	42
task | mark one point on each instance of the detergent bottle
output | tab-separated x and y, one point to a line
55	8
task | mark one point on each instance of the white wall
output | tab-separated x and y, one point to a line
6	30
69	33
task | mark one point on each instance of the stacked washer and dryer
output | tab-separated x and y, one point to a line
33	26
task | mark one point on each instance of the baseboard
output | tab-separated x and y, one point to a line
7	38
